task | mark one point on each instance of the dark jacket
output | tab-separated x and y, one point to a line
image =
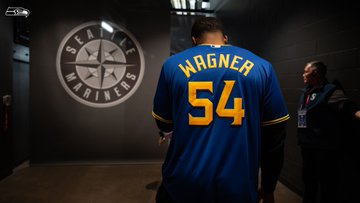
323	118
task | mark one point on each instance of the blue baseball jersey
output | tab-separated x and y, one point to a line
217	98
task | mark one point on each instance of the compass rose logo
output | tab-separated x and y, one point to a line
99	68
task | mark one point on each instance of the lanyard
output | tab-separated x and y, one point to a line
307	100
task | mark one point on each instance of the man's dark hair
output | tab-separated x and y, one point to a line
206	24
320	67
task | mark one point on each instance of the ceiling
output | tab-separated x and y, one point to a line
206	6
182	7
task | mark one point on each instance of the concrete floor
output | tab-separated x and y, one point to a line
126	183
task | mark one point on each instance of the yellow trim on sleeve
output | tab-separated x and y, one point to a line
279	120
160	118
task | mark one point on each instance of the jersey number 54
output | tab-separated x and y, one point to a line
237	112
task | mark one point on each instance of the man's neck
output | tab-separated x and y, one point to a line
215	38
318	84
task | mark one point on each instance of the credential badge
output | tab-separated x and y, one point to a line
99	68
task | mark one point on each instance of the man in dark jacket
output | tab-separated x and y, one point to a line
323	108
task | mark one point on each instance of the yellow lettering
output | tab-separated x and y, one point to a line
248	66
211	60
199	61
224	61
235	61
188	68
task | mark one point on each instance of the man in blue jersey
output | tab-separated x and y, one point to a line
223	108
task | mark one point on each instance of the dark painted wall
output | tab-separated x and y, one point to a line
6	44
289	34
20	131
181	31
64	130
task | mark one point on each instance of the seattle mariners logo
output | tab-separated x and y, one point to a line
313	96
99	68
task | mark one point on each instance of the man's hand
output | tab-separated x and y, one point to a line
161	140
164	136
357	115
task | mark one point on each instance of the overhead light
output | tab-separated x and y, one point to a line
107	27
183	4
176	4
205	5
192	4
184	7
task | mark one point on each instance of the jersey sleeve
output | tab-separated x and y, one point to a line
162	110
275	110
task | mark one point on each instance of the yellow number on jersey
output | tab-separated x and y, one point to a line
237	113
195	102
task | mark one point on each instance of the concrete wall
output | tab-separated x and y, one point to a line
64	130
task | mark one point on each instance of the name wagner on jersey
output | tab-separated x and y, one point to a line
233	62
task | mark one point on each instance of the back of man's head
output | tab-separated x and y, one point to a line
206	24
